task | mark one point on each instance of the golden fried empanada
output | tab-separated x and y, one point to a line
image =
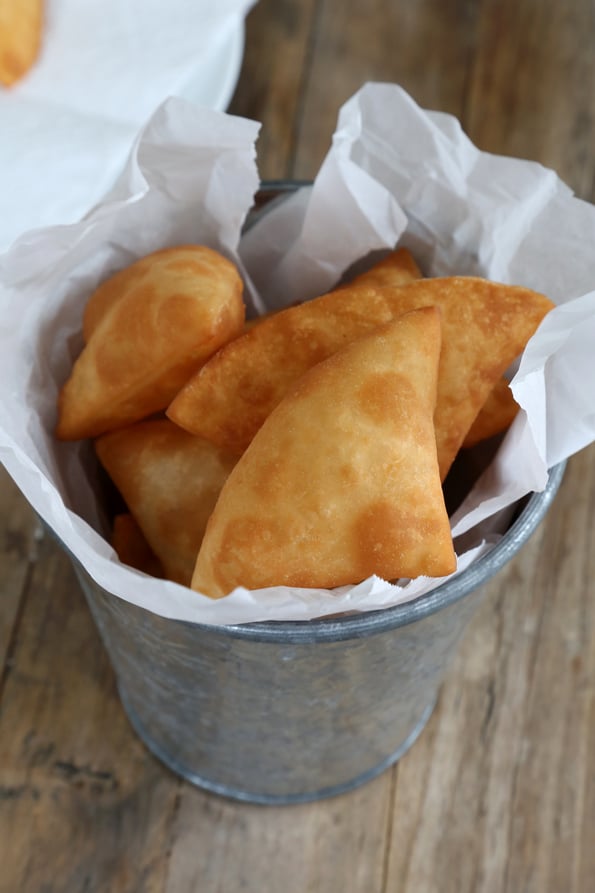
485	326
21	23
397	268
342	481
495	416
170	481
132	548
148	329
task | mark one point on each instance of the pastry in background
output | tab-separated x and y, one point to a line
21	24
132	548
397	268
495	416
170	481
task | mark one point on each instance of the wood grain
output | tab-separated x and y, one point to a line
278	46
498	794
82	804
506	766
17	555
531	90
426	46
319	846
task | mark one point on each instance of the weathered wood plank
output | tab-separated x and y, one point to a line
337	844
531	91
548	805
278	37
427	47
83	807
18	531
495	796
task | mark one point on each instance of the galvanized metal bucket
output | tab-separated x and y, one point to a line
294	711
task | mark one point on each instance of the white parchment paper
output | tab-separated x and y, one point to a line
394	173
105	65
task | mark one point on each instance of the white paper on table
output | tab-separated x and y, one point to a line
66	128
465	212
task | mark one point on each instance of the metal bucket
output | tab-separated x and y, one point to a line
294	711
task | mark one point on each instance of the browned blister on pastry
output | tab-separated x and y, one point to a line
148	329
342	480
132	548
170	481
485	326
495	416
246	379
21	23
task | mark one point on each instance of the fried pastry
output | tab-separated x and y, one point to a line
495	416
485	326
132	548
21	23
342	480
148	329
397	268
170	481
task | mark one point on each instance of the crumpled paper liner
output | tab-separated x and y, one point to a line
394	173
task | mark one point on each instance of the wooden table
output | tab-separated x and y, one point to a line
498	794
